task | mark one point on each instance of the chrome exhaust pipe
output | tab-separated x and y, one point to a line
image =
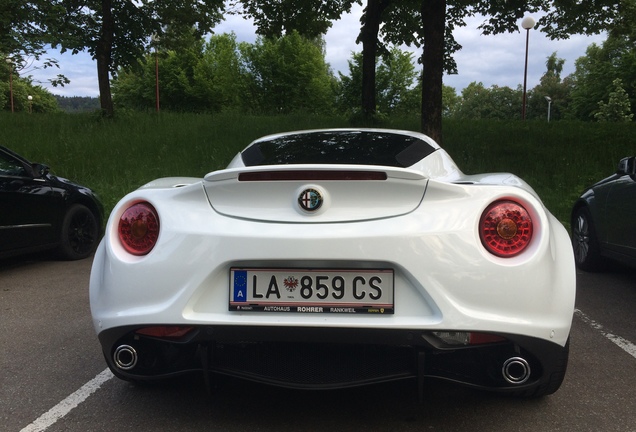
125	357
516	370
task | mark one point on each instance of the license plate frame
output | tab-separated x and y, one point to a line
308	290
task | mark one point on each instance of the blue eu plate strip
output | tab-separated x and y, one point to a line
240	286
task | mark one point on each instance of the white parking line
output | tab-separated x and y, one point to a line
626	345
64	407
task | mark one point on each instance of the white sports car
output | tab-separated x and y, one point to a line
334	258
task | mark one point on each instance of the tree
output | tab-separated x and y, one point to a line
395	84
273	75
450	101
76	104
551	86
499	103
371	21
24	33
23	87
601	65
117	33
425	23
618	107
429	24
433	15
199	77
396	78
219	78
310	18
287	74
562	19
579	17
134	87
596	71
19	31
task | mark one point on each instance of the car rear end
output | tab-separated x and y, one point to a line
335	275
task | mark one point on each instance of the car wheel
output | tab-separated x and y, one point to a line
587	252
80	233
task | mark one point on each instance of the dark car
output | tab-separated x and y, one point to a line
39	211
603	220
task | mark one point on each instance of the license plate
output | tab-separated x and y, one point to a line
311	290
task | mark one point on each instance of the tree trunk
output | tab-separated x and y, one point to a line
369	38
103	55
433	25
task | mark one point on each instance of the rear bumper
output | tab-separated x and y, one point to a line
322	358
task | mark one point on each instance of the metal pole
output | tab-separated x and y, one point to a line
11	84
525	78
156	79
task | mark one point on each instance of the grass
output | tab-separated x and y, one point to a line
557	159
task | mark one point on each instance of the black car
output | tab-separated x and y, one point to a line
603	220
39	211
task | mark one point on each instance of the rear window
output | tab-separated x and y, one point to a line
339	147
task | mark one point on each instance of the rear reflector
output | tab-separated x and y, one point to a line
467	338
311	175
165	331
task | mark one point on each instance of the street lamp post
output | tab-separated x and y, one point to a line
155	40
549	99
30	99
9	60
527	23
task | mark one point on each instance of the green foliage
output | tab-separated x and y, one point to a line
286	75
310	18
83	25
450	101
135	88
596	71
23	36
567	17
618	108
42	101
396	77
76	104
218	76
551	86
580	95
23	28
117	33
275	75
500	103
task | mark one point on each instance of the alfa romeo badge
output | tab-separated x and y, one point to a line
310	200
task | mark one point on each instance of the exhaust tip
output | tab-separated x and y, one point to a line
125	357
516	370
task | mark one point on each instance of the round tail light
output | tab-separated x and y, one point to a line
505	228
139	228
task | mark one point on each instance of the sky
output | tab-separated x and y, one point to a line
491	60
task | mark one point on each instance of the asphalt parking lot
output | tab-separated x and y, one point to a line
53	376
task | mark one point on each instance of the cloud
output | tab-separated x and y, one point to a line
491	60
79	68
499	60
